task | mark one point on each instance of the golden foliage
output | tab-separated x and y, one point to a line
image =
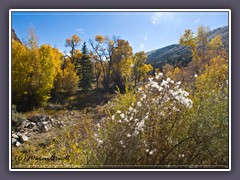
99	38
33	74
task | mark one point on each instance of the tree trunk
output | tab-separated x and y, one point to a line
107	83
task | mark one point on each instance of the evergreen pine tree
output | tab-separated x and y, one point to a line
86	69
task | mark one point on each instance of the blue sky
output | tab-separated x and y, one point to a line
144	30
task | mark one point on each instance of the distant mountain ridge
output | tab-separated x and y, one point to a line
179	55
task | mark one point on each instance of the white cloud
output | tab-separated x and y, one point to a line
196	21
160	17
142	45
80	30
146	38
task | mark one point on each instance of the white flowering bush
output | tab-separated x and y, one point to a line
146	128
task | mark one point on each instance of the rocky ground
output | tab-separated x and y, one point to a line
39	128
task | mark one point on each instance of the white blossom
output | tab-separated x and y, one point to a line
144	96
160	88
165	84
181	155
178	83
150	79
135	133
113	117
160	74
155	85
130	108
122	115
162	113
135	120
140	125
131	118
175	109
118	112
99	141
151	152
139	104
128	135
147	86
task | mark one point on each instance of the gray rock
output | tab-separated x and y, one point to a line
45	122
34	124
52	120
24	138
46	128
36	129
31	125
14	140
26	126
17	144
19	134
14	136
43	117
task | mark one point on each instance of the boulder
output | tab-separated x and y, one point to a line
52	120
14	141
46	128
15	136
21	130
44	122
23	138
19	134
17	144
31	125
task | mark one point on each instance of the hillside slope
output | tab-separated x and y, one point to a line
179	55
15	37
